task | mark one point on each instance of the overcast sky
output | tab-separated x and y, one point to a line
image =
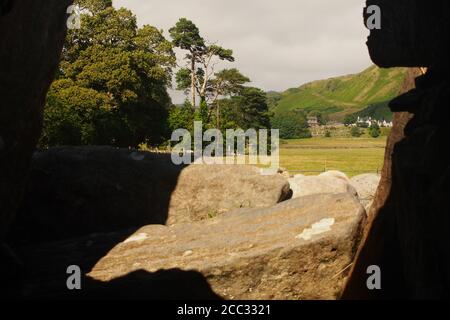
278	44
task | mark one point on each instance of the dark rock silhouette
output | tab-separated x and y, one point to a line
32	33
414	33
29	57
5	6
74	191
408	233
173	284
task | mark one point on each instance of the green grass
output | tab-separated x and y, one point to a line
352	156
344	95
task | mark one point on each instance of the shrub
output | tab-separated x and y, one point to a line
356	132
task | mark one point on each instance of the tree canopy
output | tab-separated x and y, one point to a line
197	77
293	124
112	83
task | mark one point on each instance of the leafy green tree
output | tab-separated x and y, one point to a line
202	114
227	83
356	132
248	110
292	124
350	119
73	114
374	130
112	81
181	117
252	109
322	119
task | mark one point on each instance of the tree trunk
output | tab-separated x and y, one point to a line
218	115
193	80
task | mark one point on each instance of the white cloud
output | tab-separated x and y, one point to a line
278	44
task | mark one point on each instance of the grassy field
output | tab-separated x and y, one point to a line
350	155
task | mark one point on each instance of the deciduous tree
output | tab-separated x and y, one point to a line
112	81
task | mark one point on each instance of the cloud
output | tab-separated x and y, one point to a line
278	44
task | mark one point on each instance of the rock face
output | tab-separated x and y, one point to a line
335	174
366	185
414	33
32	33
308	185
205	191
75	191
25	27
408	233
80	190
377	233
299	249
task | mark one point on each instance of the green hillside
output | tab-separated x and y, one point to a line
337	97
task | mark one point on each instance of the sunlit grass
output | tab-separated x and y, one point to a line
352	156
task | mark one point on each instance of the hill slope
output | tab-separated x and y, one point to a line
337	97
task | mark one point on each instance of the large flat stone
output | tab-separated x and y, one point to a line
299	249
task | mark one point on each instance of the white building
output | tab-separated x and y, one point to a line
369	121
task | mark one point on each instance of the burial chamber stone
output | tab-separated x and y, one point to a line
414	33
31	39
299	249
32	33
407	234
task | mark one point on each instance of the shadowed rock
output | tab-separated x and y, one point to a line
74	191
299	249
32	33
31	39
414	33
407	234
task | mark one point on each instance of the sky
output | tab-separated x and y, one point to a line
278	44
